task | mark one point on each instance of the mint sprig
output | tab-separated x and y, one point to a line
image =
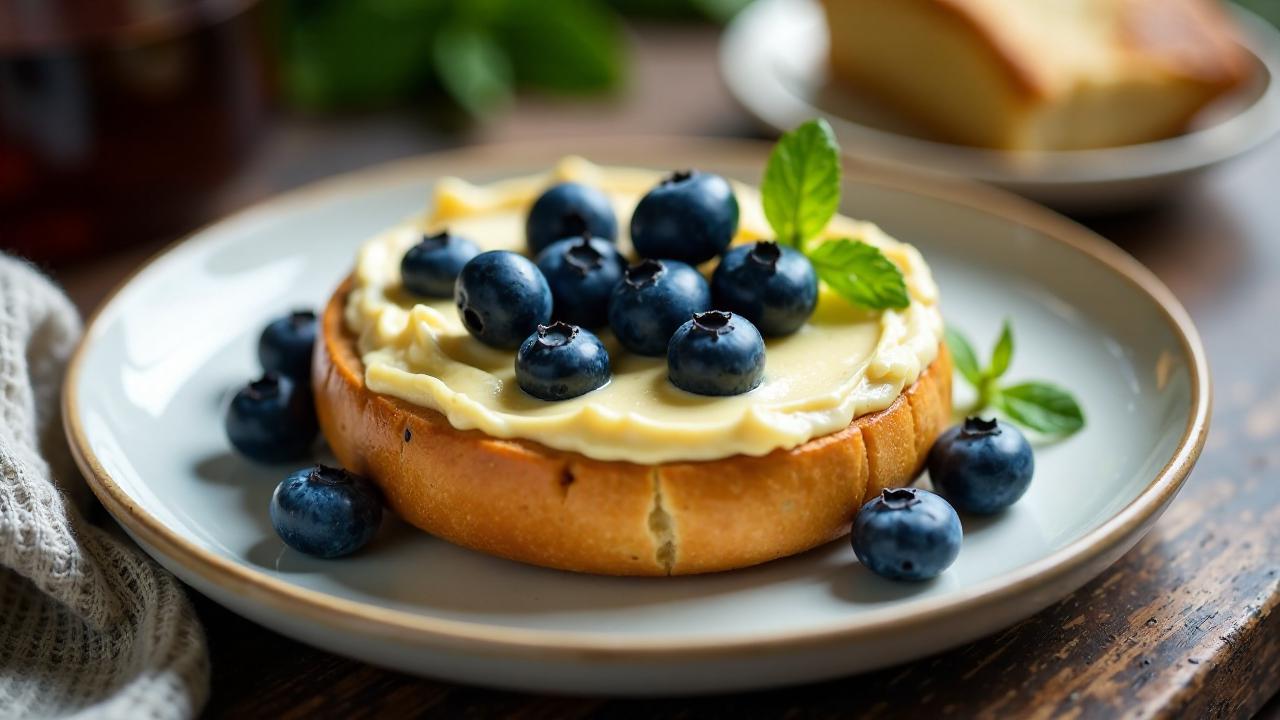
800	193
860	274
801	186
1040	406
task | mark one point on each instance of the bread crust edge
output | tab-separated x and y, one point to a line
523	501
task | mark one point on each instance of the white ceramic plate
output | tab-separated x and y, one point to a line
774	60
146	391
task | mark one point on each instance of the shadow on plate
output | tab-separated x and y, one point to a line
453	579
255	481
410	569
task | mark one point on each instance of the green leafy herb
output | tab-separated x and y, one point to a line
963	356
345	54
720	10
715	10
800	194
342	54
564	46
1268	9
860	273
801	187
473	69
1002	355
1040	406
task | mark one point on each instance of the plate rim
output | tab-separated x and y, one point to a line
1252	126
341	614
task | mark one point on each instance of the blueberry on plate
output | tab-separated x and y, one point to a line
774	287
271	420
430	268
326	512
502	298
285	346
716	353
561	361
582	273
982	466
690	216
907	534
654	298
569	210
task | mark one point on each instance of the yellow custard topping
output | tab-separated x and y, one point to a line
845	362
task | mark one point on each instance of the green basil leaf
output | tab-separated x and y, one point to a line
1002	355
963	356
1041	406
801	187
860	273
473	68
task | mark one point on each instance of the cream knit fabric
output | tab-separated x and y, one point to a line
89	627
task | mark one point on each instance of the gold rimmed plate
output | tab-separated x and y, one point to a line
146	390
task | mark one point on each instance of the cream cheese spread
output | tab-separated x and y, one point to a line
844	363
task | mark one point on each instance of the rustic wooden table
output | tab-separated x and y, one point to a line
1184	626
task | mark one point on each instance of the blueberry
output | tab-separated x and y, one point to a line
654	298
582	272
716	353
569	210
285	346
982	466
271	420
561	361
326	512
430	268
907	534
690	216
774	287
502	298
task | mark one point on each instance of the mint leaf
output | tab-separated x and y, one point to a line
1002	355
1042	407
801	187
963	356
860	273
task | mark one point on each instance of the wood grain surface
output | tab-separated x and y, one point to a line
1184	626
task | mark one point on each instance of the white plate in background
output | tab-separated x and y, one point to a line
773	57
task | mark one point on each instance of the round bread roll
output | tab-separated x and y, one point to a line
521	500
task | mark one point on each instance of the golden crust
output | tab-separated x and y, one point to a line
527	502
1156	64
1192	39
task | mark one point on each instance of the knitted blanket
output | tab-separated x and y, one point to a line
89	626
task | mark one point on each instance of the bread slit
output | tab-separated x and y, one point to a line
520	500
662	528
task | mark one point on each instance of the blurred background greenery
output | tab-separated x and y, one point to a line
473	55
1269	9
348	54
128	120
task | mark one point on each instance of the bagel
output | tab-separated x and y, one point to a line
521	500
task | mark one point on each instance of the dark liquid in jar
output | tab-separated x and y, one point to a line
119	119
